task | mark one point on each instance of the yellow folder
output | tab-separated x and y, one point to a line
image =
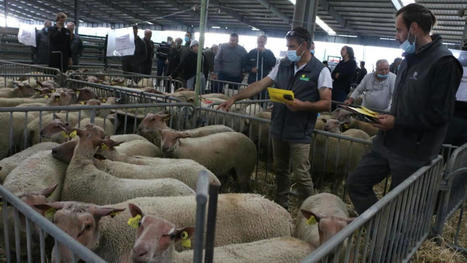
281	95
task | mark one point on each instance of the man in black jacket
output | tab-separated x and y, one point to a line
147	64
187	67
162	55
134	63
259	62
423	103
76	44
59	44
41	51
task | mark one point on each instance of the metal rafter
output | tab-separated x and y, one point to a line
125	11
275	11
336	16
69	9
140	5
235	15
56	10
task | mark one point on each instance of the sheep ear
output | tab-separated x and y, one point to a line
49	207
135	210
308	214
48	191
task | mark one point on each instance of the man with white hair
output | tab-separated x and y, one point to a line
76	45
376	88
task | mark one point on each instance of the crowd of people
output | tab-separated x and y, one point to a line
58	46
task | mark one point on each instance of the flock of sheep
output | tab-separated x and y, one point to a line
130	197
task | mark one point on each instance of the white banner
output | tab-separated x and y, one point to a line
121	42
27	35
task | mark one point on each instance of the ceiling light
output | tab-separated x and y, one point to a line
216	27
254	29
387	38
352	36
398	4
149	22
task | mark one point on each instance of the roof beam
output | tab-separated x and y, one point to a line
55	10
274	10
332	12
234	14
123	10
138	4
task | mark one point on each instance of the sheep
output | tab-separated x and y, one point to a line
139	147
20	90
153	124
12	102
221	153
367	127
105	124
10	163
62	97
31	199
324	204
84	182
13	124
39	123
35	173
120	138
240	218
185	170
156	236
332	158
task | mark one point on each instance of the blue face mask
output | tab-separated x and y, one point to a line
312	51
382	76
187	39
292	55
409	48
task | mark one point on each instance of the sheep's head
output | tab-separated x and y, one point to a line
107	149
24	89
155	237
151	126
328	226
64	152
36	198
61	98
341	114
170	139
332	125
56	131
80	221
86	94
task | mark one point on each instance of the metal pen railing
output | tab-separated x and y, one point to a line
33	221
393	228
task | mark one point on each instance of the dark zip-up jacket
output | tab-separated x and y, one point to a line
59	40
41	51
286	125
134	63
187	67
423	102
264	62
76	46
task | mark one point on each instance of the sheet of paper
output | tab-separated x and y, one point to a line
121	42
27	36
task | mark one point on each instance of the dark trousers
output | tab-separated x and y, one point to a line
219	87
338	95
372	169
161	67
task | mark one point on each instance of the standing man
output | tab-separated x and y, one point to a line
394	67
423	104
41	51
376	88
362	72
134	63
147	63
59	44
292	123
210	54
162	55
228	63
343	74
187	68
259	62
76	44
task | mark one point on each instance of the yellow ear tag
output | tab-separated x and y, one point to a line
104	100
73	134
64	135
134	221
311	220
104	147
113	214
49	213
46	96
186	242
82	103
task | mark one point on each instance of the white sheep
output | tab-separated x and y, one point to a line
35	173
151	126
323	204
120	138
156	237
105	124
10	163
240	218
13	102
36	125
84	182
225	154
139	147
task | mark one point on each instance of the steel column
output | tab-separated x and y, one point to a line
76	15
464	37
202	29
5	11
310	16
299	13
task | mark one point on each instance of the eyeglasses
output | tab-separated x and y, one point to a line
295	34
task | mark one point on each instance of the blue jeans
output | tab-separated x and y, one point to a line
161	67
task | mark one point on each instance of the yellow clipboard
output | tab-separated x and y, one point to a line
368	114
281	95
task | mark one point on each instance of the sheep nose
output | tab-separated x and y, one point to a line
54	151
139	252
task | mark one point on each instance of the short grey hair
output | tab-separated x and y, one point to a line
381	61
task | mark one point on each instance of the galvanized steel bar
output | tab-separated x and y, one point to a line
202	194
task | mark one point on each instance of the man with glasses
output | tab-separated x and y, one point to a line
59	44
292	123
